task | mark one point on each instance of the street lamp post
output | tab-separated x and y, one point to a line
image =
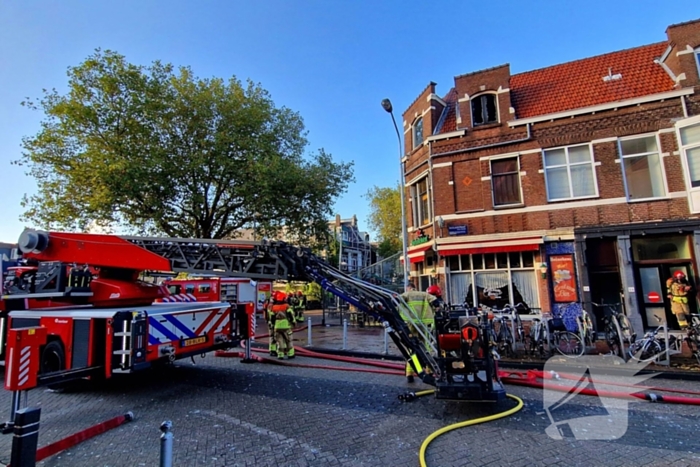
386	104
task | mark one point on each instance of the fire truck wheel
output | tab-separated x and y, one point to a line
52	358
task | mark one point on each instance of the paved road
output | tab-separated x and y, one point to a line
226	413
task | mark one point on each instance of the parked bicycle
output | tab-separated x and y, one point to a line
549	334
617	328
509	330
652	345
586	329
692	338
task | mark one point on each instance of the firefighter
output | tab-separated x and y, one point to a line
435	291
283	320
421	303
677	290
300	306
269	317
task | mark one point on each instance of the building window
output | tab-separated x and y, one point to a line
505	181
420	199
697	59
418	133
690	144
494	280
484	109
641	166
569	173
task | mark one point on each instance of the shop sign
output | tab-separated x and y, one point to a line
421	238
453	230
563	278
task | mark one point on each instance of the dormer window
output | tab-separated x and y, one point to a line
418	133
484	109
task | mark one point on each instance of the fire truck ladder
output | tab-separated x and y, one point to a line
278	260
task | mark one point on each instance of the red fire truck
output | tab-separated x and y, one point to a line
82	312
226	289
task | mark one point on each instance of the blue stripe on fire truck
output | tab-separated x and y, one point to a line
173	320
155	325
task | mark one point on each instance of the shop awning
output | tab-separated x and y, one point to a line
417	255
496	246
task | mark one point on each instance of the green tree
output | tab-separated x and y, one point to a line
385	218
161	151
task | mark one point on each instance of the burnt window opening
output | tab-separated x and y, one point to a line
484	109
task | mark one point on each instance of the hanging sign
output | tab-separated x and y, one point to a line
563	278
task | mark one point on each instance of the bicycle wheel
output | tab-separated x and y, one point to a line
646	350
628	335
615	341
568	344
590	330
505	337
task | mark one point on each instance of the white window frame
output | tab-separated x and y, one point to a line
416	203
693	192
661	163
697	59
520	185
568	166
472	271
479	96
416	142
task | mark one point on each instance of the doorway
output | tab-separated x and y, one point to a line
654	302
603	275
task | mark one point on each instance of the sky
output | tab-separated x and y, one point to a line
332	61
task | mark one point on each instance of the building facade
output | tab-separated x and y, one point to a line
356	252
561	187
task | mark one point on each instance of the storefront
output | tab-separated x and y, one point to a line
493	273
629	265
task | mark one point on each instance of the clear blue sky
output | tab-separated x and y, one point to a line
332	61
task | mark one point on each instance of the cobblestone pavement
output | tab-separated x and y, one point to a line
227	413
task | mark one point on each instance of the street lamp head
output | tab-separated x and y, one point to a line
386	103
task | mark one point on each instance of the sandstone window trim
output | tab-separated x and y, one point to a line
484	108
636	163
574	171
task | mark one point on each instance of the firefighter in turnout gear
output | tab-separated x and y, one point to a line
269	317
421	304
283	321
299	306
678	289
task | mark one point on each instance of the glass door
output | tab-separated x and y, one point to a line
653	299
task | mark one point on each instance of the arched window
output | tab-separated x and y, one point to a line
418	132
484	109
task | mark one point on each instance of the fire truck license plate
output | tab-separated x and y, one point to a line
193	341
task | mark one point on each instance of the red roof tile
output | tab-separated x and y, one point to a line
450	122
578	84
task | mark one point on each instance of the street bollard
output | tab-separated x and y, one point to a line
26	437
166	444
345	334
386	341
308	340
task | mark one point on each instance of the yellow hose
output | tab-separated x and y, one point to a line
476	421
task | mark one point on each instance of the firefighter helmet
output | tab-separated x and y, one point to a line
679	275
434	290
299	293
280	296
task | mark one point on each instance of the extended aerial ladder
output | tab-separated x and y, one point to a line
455	356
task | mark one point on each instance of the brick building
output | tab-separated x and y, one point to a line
563	186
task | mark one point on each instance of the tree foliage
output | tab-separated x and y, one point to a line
161	151
385	218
